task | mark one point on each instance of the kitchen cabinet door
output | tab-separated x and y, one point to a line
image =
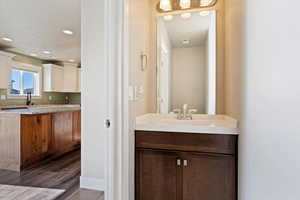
63	131
77	127
157	175
208	177
36	138
70	78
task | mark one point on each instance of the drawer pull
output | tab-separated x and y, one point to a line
185	163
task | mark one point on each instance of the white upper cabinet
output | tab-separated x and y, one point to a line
61	79
53	78
5	65
70	78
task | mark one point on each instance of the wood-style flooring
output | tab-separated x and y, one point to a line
60	173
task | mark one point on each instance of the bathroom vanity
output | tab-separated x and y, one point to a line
199	161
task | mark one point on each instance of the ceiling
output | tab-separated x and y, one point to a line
194	29
36	26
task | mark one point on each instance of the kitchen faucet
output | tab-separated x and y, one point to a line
186	114
28	99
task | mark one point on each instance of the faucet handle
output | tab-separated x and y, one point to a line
178	112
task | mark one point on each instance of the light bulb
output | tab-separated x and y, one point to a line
206	2
165	5
184	4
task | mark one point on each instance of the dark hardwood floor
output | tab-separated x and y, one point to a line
60	173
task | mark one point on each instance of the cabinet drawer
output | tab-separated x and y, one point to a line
211	143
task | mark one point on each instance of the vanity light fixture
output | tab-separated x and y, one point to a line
168	17
68	32
186	15
206	2
204	13
6	39
165	5
185	4
47	52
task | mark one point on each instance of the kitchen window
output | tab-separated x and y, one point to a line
23	82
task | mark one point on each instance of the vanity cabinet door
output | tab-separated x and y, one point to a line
208	177
157	175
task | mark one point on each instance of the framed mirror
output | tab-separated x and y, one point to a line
186	61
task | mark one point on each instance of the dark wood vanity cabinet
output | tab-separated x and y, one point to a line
181	170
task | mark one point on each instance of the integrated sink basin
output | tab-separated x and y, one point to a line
210	124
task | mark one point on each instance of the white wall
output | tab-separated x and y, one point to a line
188	78
94	96
269	144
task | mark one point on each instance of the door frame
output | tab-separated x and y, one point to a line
117	42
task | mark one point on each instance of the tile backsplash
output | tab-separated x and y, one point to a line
47	98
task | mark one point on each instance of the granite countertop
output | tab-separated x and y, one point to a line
37	109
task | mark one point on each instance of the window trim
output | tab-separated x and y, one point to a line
30	68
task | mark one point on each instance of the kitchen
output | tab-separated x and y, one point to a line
40	97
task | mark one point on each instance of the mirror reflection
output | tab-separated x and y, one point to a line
186	63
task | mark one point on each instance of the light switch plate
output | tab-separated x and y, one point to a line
131	93
3	97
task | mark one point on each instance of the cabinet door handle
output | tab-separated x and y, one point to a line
178	162
185	163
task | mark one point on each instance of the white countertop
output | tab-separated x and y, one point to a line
40	109
207	124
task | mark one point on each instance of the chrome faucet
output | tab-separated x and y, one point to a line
186	114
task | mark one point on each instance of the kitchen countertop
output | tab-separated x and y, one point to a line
205	124
38	109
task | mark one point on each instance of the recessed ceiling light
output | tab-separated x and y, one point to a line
7	39
33	54
204	13
186	15
185	42
71	60
47	52
68	32
168	17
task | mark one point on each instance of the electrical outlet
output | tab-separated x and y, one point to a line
50	98
3	97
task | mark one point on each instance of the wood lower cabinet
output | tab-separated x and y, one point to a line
46	135
180	170
76	127
206	176
157	175
66	131
36	138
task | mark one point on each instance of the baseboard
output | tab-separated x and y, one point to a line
92	183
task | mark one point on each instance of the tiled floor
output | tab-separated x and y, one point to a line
83	194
